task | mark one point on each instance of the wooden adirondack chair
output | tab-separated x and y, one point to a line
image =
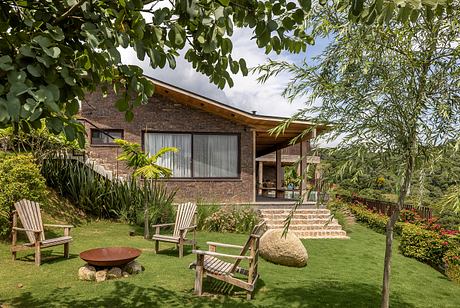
208	263
31	219
185	221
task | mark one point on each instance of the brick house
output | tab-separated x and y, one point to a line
218	145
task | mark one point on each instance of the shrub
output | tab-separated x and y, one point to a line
424	245
203	212
20	178
103	198
340	211
238	219
452	262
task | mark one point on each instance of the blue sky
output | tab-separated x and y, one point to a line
246	94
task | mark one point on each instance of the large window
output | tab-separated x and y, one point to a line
199	156
105	136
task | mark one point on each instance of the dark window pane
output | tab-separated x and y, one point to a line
105	136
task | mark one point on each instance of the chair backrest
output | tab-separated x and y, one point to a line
252	242
29	214
184	217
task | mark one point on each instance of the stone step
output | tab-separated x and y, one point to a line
298	211
304	221
297	216
305	227
315	234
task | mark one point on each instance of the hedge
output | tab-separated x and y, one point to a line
20	178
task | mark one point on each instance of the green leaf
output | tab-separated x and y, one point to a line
43	41
357	7
34	69
6	63
13	106
224	2
129	116
54	125
122	104
305	4
243	67
27	51
72	107
53	52
70	132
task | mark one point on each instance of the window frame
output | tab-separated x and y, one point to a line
238	161
108	130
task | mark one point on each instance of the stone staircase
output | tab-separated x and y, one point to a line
307	223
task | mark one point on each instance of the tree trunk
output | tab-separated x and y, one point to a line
385	300
146	209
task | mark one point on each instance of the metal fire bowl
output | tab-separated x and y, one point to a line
110	256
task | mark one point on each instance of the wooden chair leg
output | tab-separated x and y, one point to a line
13	253
66	250
181	250
199	275
157	246
249	295
38	255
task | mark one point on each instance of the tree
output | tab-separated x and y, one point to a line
144	166
392	88
52	52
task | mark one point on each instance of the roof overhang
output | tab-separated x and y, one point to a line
265	142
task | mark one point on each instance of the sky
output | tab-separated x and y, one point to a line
246	94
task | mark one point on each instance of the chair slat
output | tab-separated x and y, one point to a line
184	217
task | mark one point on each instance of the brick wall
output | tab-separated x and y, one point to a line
163	114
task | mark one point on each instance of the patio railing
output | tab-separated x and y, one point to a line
386	208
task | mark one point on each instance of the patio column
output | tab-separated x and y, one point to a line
279	176
304	151
261	177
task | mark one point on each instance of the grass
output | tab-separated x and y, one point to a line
340	273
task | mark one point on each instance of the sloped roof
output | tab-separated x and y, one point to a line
265	143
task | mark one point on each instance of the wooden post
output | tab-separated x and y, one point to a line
279	175
304	151
261	177
254	165
199	274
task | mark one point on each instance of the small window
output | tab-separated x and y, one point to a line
105	136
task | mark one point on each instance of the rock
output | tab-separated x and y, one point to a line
101	275
114	273
125	274
19	285
133	267
87	272
287	250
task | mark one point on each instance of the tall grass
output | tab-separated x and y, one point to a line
104	198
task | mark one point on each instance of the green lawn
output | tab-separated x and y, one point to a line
340	273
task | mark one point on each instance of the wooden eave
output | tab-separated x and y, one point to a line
265	143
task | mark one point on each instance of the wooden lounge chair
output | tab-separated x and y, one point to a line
209	264
185	221
31	219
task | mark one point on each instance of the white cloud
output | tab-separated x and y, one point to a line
247	94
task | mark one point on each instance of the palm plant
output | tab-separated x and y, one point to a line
146	167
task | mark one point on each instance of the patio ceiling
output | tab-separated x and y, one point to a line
265	143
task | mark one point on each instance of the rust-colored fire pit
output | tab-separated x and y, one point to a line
110	256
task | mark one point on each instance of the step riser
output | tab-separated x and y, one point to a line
306	223
303	228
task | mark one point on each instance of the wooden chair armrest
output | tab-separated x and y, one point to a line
163	225
188	228
215	244
58	226
216	254
23	229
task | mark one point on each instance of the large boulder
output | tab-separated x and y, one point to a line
133	267
276	248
